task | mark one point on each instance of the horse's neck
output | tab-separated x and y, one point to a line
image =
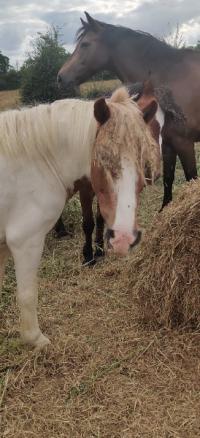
73	164
123	65
76	137
132	58
130	64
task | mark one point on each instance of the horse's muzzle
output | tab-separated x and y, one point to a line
64	83
122	242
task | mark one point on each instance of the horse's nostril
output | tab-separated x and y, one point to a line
110	234
138	238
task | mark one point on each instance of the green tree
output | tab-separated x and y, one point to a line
9	76
198	45
40	69
13	79
4	63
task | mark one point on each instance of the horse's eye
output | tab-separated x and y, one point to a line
84	45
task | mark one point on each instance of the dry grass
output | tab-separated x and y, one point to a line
104	86
106	374
9	99
169	293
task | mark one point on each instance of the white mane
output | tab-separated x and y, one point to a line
38	131
44	131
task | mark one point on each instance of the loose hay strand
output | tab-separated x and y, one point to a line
4	388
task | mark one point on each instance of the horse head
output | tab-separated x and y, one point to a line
123	148
84	61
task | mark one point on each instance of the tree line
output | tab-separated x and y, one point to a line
37	76
9	76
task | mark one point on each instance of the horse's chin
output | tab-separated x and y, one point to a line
81	79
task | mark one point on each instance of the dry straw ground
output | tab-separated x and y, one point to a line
107	374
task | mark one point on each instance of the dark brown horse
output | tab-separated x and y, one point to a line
131	55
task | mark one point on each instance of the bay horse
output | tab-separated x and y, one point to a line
132	55
44	150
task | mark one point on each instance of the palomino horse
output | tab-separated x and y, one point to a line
44	150
131	55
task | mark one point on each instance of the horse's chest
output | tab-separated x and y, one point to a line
157	125
25	189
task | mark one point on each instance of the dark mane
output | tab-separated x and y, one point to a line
83	30
111	34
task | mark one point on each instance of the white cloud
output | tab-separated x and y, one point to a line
191	31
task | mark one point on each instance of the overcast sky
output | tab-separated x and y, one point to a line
20	20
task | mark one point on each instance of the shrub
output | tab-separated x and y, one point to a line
40	70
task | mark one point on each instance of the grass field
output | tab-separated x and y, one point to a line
9	99
105	375
103	86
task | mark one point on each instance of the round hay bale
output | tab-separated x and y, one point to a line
165	272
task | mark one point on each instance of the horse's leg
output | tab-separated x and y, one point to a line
99	241
27	257
86	198
60	229
4	253
186	152
169	164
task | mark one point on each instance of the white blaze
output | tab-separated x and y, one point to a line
160	117
126	199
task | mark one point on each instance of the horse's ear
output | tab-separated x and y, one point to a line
94	25
84	23
90	20
101	111
148	88
149	111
